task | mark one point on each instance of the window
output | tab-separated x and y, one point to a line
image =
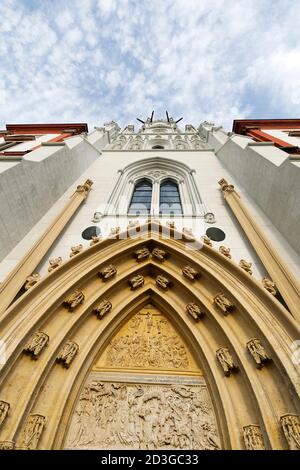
169	199
141	198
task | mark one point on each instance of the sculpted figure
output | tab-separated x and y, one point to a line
74	300
269	285
223	303
226	361
291	427
159	253
190	273
95	240
33	431
258	352
142	254
75	250
32	280
4	409
206	240
136	281
54	263
7	445
36	344
163	282
107	272
225	251
246	266
253	437
103	308
195	311
67	353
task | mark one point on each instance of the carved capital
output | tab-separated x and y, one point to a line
253	437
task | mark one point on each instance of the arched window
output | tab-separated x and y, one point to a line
141	198
169	198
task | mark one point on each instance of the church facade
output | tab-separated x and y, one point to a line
149	294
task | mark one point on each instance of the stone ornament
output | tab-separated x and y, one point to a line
32	280
258	352
225	186
103	308
7	445
107	272
170	224
54	263
142	254
225	359
97	217
33	430
190	273
133	224
163	282
75	250
206	240
187	234
194	310
246	266
95	239
223	303
114	231
85	188
269	285
225	251
159	254
4	409
136	281
209	218
75	299
253	437
36	344
291	428
67	354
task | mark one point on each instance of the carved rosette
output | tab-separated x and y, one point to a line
269	285
67	353
36	344
225	251
194	310
103	308
7	445
258	352
291	428
190	273
226	360
4	409
223	303
136	281
142	254
163	282
253	437
33	430
159	254
75	299
246	266
32	281
107	272
206	240
75	250
54	263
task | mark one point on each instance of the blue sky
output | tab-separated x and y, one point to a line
98	60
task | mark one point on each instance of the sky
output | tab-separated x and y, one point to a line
100	60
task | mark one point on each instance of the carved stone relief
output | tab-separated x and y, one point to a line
36	344
223	303
194	310
209	218
4	409
291	427
75	250
32	281
258	352
54	263
111	415
206	240
253	437
95	240
225	251
107	272
67	353
75	299
163	282
7	445
246	266
33	430
136	281
103	308
190	273
269	285
225	359
159	253
142	254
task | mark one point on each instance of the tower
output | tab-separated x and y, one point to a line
153	304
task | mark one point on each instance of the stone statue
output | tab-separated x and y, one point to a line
33	430
206	240
32	280
142	254
103	308
163	282
253	437
225	359
291	427
54	263
223	303
269	285
258	352
190	273
36	344
75	299
209	218
95	240
67	353
159	253
136	281
107	272
195	311
4	409
7	445
225	251
246	266
75	250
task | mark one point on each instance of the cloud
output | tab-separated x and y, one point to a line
97	60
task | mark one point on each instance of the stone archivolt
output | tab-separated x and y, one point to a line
259	315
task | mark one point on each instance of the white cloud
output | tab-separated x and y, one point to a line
94	60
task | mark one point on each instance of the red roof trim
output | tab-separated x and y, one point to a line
241	126
46	128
